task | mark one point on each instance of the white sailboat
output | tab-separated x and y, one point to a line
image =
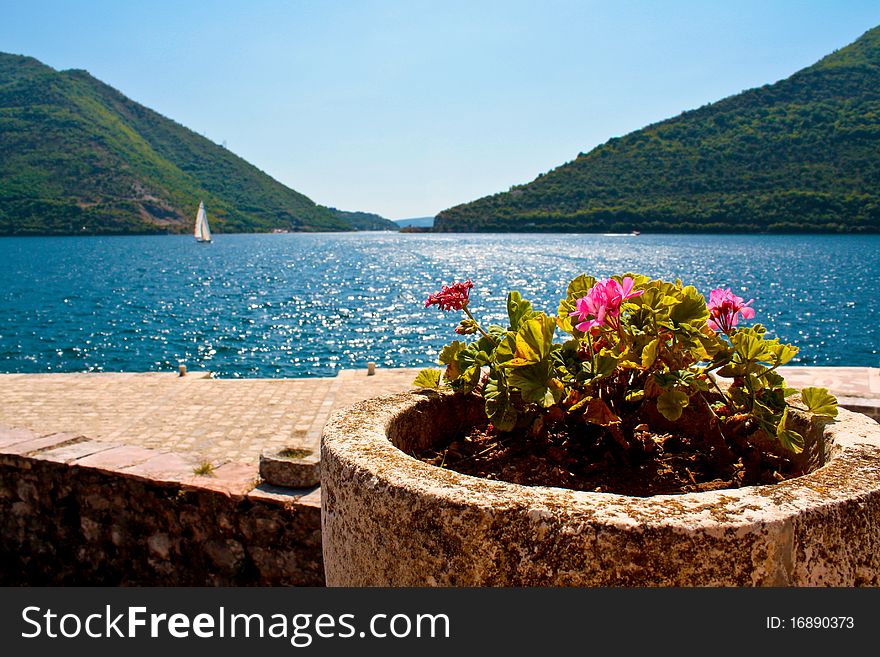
202	231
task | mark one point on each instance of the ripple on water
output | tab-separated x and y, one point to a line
309	305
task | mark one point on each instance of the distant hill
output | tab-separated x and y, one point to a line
79	157
417	222
802	154
365	220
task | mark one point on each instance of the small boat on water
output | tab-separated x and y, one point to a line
202	231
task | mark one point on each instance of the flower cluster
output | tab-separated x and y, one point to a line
602	303
724	308
451	297
635	348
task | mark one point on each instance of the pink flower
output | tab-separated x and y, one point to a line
451	297
603	301
725	307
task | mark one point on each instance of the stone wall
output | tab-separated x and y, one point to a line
73	512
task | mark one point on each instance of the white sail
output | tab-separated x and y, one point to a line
202	231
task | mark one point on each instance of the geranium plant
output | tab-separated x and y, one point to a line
624	353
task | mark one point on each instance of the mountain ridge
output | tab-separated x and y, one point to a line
79	157
796	155
365	220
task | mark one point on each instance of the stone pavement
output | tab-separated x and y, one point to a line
203	419
230	421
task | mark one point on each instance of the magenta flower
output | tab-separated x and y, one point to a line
602	302
451	297
724	310
594	305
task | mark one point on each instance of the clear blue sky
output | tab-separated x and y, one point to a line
406	107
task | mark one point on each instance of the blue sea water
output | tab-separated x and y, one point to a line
311	304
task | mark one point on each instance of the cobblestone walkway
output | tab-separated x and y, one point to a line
212	420
221	421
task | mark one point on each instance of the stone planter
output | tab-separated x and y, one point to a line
391	520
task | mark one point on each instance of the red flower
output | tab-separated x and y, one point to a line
451	297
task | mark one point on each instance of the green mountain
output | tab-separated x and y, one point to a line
80	157
802	154
365	220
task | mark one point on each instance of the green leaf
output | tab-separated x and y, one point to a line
649	353
606	362
786	353
731	370
518	310
467	381
692	308
667	380
820	401
772	379
671	404
790	439
449	357
533	382
533	341
499	408
579	287
429	378
749	346
475	354
449	353
635	395
506	349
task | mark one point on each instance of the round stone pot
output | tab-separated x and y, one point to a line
389	519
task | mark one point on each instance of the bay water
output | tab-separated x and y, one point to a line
295	305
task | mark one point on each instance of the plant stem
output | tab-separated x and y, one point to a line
592	354
474	320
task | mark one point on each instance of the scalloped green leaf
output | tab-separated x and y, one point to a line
449	357
518	310
579	287
499	408
428	378
467	381
533	341
449	353
791	440
749	346
506	349
532	381
672	403
691	308
788	438
819	401
649	353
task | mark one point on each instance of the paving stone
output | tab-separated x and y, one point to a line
37	444
230	478
72	452
202	418
10	436
116	458
163	467
312	499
